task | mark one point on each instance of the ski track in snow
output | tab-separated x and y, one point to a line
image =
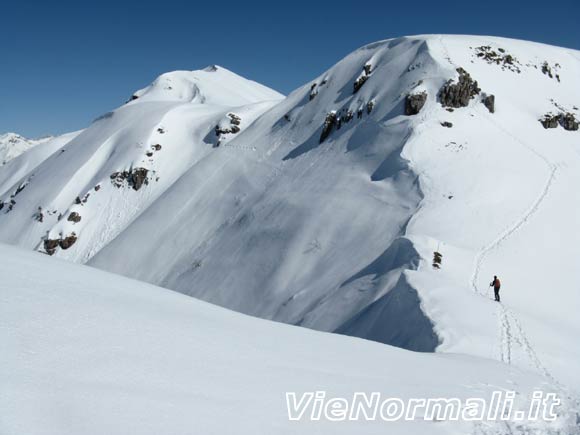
507	317
510	327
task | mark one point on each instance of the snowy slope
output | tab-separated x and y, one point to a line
19	166
335	228
104	177
89	352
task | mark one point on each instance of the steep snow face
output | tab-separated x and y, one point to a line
327	209
213	85
12	145
89	352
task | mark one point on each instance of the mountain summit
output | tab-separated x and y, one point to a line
377	200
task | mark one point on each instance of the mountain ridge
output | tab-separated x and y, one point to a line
325	209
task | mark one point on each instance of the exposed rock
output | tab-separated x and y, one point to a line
550	121
134	178
503	59
149	153
68	241
568	121
447	124
348	116
233	128
367	69
547	70
489	102
370	106
138	177
156	147
313	92
359	82
459	94
329	123
50	245
161	130
414	103
97	187
40	215
74	217
78	200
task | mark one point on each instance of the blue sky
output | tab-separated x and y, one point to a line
64	63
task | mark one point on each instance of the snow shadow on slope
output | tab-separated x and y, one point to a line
396	318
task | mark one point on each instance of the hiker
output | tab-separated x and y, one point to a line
496	286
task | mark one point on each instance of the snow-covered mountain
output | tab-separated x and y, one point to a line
12	145
88	352
377	200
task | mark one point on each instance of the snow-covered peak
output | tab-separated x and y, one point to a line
13	144
213	85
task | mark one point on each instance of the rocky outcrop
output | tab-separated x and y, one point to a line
361	80
414	103
459	94
233	127
313	92
499	57
330	122
489	102
447	124
568	121
68	241
550	121
50	245
74	217
135	178
133	98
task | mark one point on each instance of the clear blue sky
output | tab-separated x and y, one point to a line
64	63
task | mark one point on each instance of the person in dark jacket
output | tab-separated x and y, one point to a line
496	284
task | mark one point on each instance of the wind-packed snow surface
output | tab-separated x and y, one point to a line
325	209
88	352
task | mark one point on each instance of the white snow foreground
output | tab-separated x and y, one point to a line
325	209
88	352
